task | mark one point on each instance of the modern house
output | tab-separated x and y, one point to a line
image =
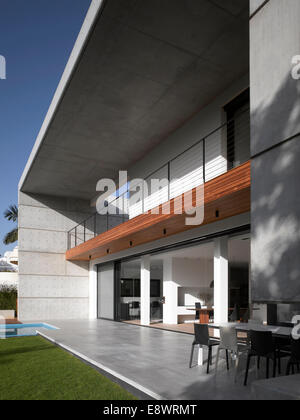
200	94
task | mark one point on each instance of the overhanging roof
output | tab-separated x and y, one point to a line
138	71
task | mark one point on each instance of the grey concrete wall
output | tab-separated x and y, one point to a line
275	148
256	4
204	122
49	286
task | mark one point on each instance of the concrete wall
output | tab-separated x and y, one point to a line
49	286
186	170
255	5
275	148
204	122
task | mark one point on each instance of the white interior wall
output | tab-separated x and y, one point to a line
194	275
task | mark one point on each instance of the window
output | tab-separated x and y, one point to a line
238	130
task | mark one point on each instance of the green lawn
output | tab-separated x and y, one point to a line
31	368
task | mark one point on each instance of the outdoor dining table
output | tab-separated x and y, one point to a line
283	332
243	327
205	312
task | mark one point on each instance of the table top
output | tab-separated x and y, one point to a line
277	331
211	308
201	309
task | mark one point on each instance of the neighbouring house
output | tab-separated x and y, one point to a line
12	257
197	93
9	268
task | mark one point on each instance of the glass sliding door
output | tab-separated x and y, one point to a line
105	283
128	291
156	291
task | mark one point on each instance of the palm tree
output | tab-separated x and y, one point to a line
11	214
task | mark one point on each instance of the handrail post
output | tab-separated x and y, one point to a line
95	224
143	196
169	181
204	161
84	232
76	236
124	205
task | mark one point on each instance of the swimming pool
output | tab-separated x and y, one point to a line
22	330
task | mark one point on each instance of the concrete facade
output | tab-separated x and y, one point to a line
48	284
275	149
149	66
166	90
208	119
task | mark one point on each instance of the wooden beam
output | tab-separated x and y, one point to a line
225	196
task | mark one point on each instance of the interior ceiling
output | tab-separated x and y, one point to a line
238	251
148	67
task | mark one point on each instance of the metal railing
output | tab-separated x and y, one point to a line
202	161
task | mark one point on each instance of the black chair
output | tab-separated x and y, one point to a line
197	307
246	316
202	339
155	308
134	310
235	316
295	357
262	345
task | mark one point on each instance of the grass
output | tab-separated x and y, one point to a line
31	368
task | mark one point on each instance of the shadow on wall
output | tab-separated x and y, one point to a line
276	198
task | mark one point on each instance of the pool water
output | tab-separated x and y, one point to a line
22	330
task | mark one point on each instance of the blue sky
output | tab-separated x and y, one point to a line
36	39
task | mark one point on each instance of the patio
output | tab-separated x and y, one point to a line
151	360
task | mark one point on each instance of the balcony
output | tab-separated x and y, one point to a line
226	193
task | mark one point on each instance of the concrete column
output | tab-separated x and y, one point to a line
93	291
275	152
145	290
221	279
170	291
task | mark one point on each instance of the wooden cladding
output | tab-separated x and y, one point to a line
225	196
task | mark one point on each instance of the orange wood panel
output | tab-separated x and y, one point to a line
229	194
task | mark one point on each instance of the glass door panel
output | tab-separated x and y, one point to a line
128	287
156	292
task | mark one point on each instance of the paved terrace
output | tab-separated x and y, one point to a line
152	360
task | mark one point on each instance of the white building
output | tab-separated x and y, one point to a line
9	268
166	90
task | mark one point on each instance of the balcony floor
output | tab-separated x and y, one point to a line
228	195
